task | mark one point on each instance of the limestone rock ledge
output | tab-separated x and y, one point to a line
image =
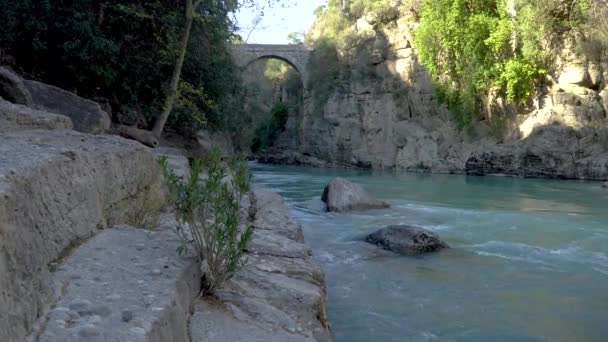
18	117
125	284
57	189
129	284
280	293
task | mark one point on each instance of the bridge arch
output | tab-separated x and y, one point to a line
295	55
270	56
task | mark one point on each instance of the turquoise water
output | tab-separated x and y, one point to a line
529	257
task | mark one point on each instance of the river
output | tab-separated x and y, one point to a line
529	257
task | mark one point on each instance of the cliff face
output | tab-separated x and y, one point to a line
384	115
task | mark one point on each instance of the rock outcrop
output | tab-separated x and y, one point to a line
12	88
207	140
280	293
387	119
18	117
340	195
57	189
176	160
407	240
87	116
552	151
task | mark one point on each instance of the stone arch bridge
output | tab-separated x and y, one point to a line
295	55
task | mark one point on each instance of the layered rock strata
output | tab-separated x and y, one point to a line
57	189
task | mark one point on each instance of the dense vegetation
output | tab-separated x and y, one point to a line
269	130
473	47
123	53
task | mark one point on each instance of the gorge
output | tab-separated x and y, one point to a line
404	170
383	112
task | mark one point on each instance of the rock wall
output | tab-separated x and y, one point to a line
390	119
565	132
551	151
387	119
58	188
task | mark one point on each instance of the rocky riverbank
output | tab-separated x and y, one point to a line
84	255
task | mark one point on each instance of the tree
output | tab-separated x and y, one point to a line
191	12
124	53
295	38
177	71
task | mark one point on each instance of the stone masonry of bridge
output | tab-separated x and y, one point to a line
295	55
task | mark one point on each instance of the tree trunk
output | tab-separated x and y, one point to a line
177	71
131	132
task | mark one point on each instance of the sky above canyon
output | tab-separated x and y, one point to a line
277	22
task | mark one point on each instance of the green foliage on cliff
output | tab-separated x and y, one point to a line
380	11
123	52
476	46
336	44
268	131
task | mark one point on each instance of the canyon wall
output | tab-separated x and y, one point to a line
384	114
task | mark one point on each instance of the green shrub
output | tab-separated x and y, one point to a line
208	214
325	74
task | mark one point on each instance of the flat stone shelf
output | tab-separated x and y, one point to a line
125	284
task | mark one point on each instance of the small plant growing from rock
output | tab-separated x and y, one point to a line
208	213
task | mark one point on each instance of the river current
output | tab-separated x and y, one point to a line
529	257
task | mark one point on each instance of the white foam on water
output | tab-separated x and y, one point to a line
539	255
603	271
437	227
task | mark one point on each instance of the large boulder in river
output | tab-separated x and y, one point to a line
87	116
341	195
605	185
407	240
12	88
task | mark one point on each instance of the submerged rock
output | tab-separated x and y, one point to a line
341	195
407	240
